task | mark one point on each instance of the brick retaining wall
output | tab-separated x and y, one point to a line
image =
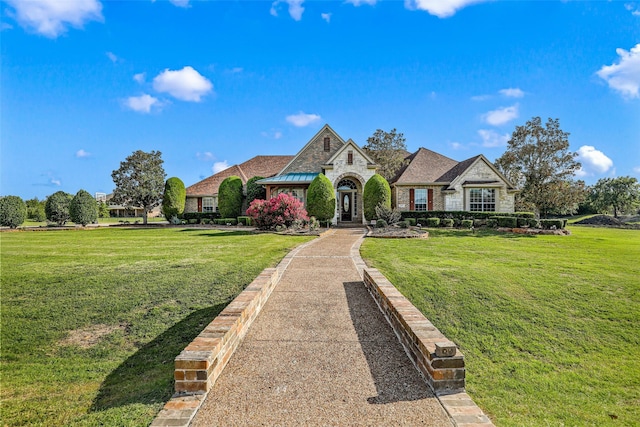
424	343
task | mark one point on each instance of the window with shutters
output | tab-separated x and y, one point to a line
420	196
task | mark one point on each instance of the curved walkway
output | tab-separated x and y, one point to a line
321	353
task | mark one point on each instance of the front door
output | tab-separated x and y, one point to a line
346	204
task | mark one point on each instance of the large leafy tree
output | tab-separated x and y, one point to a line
619	195
377	192
388	150
174	199
35	209
140	181
321	198
13	211
83	208
539	162
57	207
230	197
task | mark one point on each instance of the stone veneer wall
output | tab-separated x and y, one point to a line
191	204
427	347
313	155
459	201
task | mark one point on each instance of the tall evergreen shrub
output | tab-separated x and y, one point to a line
83	208
376	191
230	197
57	207
321	198
174	197
13	211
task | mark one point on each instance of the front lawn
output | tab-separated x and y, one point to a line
92	320
549	325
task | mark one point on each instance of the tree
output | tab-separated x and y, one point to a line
83	208
175	196
57	207
103	209
230	197
321	198
140	181
376	191
618	194
35	210
255	191
13	211
539	162
387	149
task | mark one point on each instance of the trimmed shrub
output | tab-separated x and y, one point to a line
507	221
244	220
57	207
381	223
433	222
447	222
199	215
255	191
13	211
492	223
533	223
411	221
460	215
422	221
404	224
549	224
83	208
321	198
376	192
230	197
174	198
523	222
467	223
279	211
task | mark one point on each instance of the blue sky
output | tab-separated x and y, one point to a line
212	83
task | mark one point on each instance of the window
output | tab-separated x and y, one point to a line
350	157
327	144
208	204
482	200
420	199
298	193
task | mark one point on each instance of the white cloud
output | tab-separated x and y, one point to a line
139	77
220	166
636	169
302	119
501	115
624	77
361	2
440	8
52	17
207	156
81	153
512	92
295	8
492	139
480	97
142	103
186	84
456	145
631	7
274	134
112	57
56	181
236	70
594	162
180	3
326	16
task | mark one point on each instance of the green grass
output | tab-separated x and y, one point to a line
153	290
549	325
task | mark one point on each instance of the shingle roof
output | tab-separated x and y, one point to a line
425	166
265	166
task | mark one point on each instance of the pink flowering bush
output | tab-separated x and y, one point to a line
282	210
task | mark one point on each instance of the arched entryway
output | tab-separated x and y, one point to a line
347	200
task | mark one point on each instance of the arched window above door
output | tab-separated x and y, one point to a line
347	184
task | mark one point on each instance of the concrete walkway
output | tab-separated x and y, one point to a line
321	353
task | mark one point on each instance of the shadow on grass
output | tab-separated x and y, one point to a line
147	376
477	233
215	233
395	377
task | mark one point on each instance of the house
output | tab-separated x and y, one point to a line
203	196
429	181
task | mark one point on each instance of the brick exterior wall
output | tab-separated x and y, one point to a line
401	193
423	341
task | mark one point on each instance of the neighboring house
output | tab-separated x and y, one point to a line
203	196
118	211
429	181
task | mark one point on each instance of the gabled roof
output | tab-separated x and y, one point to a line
312	156
265	166
425	166
355	147
469	163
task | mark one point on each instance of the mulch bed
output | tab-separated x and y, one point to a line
398	233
